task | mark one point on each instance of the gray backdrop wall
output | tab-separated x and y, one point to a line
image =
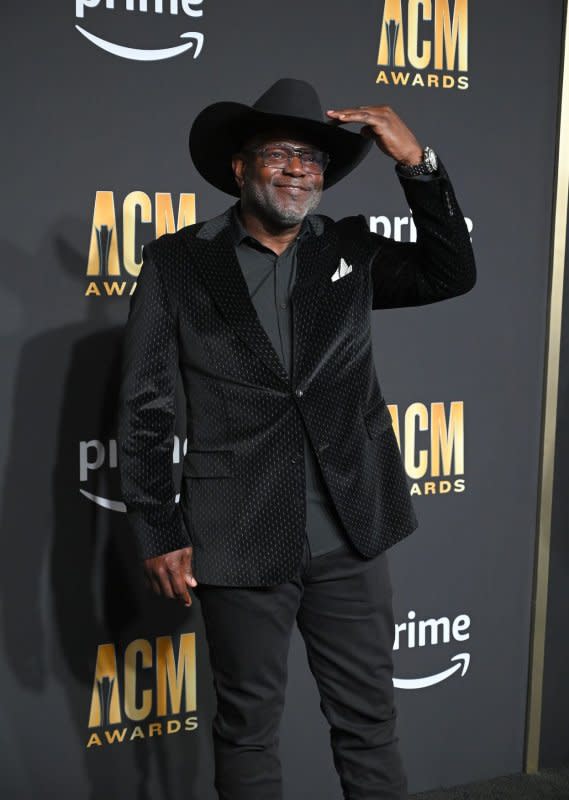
106	688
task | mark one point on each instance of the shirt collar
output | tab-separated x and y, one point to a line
311	224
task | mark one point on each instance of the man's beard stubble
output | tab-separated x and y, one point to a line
266	201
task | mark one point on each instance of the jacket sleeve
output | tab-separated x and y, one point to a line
440	264
146	416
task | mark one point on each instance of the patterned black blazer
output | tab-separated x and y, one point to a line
242	504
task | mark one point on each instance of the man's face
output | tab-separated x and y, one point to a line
285	195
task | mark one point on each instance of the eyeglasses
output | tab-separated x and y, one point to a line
279	156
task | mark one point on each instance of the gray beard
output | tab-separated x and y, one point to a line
266	202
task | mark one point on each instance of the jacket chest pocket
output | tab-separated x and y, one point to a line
340	287
377	418
337	300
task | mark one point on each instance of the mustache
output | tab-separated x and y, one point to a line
293	185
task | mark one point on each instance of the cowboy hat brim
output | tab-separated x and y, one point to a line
221	129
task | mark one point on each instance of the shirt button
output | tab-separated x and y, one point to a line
283	305
299	392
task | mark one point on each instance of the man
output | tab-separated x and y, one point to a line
293	486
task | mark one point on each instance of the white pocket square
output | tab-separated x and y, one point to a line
343	269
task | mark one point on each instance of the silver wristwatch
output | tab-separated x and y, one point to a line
425	167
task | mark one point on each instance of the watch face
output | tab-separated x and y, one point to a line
431	158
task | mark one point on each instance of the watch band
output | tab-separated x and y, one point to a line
427	166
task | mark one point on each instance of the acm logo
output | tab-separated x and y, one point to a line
424	43
115	247
140	692
431	441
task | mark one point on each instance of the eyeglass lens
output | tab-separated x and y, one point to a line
279	156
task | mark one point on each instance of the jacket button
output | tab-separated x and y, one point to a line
299	392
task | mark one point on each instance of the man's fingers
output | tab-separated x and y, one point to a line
189	576
164	579
168	574
352	116
152	583
170	585
179	587
342	112
379	110
372	115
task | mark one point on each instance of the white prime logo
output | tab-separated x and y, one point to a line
187	7
95	455
425	632
402	229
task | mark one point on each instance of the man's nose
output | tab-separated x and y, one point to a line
295	166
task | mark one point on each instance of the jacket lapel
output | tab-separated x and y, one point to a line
219	268
213	254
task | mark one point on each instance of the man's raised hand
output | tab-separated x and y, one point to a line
388	130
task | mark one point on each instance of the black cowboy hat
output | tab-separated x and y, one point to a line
222	128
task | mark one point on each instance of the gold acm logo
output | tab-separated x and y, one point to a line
145	691
431	441
120	228
424	43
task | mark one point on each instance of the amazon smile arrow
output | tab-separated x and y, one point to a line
111	505
136	54
463	662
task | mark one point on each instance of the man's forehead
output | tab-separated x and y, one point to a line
281	136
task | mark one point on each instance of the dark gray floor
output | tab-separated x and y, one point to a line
545	785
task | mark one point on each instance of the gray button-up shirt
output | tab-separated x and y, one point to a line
270	279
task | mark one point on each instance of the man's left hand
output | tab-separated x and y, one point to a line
387	129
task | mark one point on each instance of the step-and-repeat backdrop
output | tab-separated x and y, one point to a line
106	688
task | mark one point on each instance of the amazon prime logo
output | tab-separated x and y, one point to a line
98	462
192	39
422	633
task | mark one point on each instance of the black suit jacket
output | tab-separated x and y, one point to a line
242	503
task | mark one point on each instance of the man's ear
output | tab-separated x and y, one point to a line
238	165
